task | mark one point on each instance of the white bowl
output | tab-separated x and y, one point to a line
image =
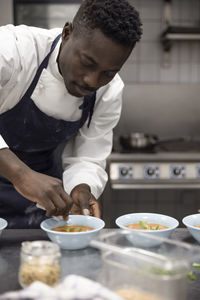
190	222
147	238
3	224
73	240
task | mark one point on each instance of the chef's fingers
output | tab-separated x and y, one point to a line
57	203
68	202
84	203
62	207
49	206
95	208
75	210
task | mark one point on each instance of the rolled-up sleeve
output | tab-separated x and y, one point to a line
84	156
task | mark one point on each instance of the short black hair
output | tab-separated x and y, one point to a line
117	19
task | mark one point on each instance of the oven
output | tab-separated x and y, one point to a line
164	179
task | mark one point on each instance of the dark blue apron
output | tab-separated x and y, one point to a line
34	136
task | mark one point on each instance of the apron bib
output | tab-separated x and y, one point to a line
33	136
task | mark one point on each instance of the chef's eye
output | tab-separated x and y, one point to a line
85	62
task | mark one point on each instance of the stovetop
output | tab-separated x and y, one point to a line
172	165
180	145
151	157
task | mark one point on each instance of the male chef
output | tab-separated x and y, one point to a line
61	86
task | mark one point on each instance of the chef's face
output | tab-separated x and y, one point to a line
87	62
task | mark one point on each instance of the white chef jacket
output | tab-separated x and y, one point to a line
22	49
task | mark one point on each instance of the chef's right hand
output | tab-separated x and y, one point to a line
45	190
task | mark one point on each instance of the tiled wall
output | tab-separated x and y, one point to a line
146	63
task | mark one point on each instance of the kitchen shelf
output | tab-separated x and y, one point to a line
177	33
173	33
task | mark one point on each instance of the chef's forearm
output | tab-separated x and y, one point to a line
11	167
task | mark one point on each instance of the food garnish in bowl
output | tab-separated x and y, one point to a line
72	228
147	226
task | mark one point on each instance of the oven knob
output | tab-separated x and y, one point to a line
198	171
177	171
150	171
124	171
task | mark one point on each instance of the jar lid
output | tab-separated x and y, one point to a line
38	248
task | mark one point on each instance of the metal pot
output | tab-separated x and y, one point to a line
138	141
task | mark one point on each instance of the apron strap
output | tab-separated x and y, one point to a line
92	103
43	65
88	107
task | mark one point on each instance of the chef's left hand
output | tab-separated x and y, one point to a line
84	203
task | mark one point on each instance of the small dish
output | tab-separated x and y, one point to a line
73	240
190	222
143	237
3	225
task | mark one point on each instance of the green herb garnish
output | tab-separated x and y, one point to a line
79	229
71	229
154	228
143	224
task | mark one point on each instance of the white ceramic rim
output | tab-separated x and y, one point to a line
4	225
184	220
74	233
149	230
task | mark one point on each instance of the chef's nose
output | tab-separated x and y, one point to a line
91	80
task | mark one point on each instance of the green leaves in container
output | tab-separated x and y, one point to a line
196	266
162	271
192	276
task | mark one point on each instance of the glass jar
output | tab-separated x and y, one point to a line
40	261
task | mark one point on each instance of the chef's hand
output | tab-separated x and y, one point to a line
84	203
46	191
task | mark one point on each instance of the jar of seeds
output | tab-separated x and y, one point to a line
40	261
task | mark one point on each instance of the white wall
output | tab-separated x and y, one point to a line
6	12
145	65
160	100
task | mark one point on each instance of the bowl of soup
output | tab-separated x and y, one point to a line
3	225
192	222
76	233
147	229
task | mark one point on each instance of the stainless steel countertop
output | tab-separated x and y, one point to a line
89	265
156	157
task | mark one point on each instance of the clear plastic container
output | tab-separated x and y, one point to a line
40	261
156	273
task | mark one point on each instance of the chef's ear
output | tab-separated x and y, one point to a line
67	30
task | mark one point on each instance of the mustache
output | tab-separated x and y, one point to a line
87	88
